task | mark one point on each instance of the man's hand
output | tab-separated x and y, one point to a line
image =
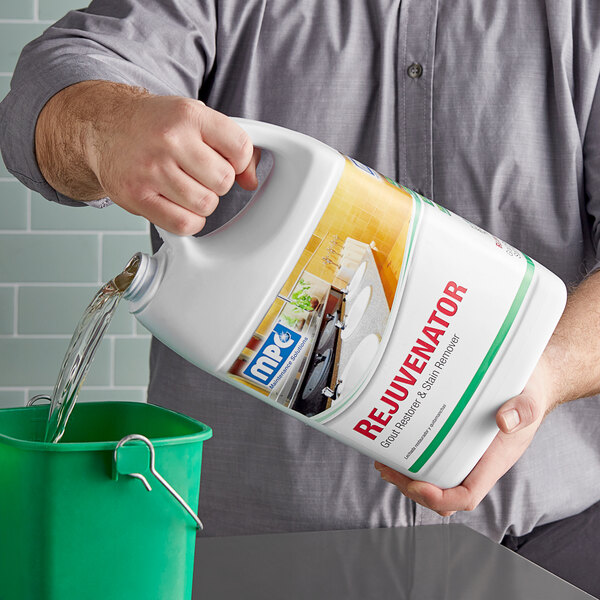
518	420
167	158
567	370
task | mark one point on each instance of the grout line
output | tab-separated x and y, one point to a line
124	231
92	388
91	284
33	336
8	179
16	311
130	336
68	336
36	10
72	232
26	22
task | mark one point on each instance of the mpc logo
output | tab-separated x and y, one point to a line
273	355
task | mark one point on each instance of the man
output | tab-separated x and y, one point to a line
488	109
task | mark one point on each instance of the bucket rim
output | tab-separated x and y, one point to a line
204	431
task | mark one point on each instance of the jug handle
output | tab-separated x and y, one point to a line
294	155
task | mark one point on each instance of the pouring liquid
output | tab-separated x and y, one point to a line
82	349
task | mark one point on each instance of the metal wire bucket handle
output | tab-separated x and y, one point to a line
35	399
161	479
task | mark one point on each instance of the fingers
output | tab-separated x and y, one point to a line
167	197
185	191
444	502
226	137
233	144
206	166
171	217
422	493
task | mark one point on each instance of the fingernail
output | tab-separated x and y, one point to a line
511	419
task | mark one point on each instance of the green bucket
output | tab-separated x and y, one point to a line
77	521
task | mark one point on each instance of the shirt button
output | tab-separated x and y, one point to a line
415	71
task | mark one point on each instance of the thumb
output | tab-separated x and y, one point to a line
518	413
247	178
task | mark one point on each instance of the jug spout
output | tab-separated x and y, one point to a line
144	270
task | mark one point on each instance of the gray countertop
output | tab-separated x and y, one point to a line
435	562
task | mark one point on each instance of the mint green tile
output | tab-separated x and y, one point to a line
123	321
11	398
140	329
57	310
56	9
131	361
4	89
48	258
13	36
7	303
3	170
4	84
52	216
13	205
112	395
28	362
118	249
16	9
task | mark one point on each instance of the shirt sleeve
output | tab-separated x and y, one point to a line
165	46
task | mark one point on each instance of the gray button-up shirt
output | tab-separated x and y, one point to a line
501	126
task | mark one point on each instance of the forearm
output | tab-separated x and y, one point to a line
68	130
573	353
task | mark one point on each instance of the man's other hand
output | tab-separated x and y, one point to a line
518	420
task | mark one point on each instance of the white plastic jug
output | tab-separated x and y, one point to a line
357	306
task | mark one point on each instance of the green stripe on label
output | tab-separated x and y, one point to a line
481	371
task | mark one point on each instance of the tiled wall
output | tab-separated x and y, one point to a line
52	261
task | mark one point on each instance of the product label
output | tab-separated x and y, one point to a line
386	327
339	294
